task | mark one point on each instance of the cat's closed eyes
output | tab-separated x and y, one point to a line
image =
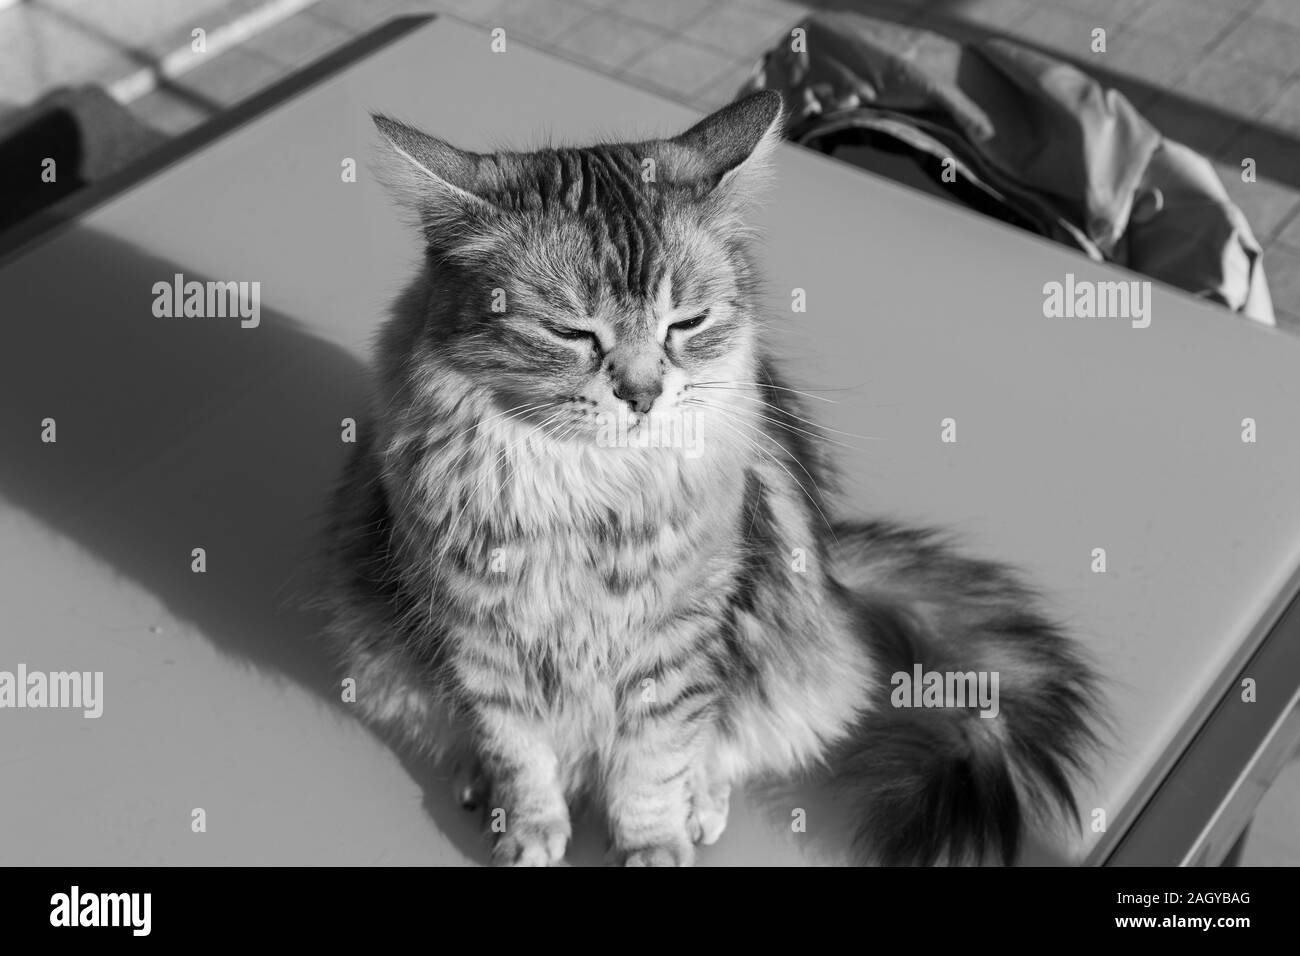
537	578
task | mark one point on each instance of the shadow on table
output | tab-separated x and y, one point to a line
176	433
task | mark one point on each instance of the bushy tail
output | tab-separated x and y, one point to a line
943	784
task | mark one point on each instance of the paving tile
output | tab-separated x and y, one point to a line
1243	6
740	30
536	21
230	77
1264	43
1146	55
359	17
1266	203
39	51
478	11
139	23
609	42
1284	114
723	90
1063	31
299	40
1284	11
665	14
1108	13
1000	15
679	67
167	112
1289	234
800	10
1242	89
1282	267
1204	21
166	35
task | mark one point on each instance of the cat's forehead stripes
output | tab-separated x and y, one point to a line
602	241
602	188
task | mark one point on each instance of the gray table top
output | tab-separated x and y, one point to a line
1073	434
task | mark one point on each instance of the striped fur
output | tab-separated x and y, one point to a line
641	625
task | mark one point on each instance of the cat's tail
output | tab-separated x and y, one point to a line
983	716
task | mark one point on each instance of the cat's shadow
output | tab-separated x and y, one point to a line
177	431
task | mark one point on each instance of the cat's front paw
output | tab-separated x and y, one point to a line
679	852
539	842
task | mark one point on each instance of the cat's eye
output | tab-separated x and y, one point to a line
572	334
687	325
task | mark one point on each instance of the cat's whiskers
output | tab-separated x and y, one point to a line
509	449
739	421
408	543
779	388
523	412
809	421
547	428
776	461
794	429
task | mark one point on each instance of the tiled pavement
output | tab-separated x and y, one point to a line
1222	76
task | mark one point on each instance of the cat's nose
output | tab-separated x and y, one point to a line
640	396
636	375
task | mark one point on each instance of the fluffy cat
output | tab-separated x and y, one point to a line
565	613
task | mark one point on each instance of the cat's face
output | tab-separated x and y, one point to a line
590	332
595	288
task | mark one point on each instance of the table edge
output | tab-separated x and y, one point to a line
1204	801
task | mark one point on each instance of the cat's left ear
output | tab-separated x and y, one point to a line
731	150
445	188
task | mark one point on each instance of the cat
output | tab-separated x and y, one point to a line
565	615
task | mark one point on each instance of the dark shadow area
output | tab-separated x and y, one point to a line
176	433
62	142
54	135
1204	127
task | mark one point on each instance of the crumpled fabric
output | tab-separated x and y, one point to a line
1032	140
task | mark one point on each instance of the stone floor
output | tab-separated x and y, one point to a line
1222	76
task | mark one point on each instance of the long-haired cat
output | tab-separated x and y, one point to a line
528	582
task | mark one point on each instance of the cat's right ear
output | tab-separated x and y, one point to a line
442	187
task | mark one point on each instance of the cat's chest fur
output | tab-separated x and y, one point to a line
579	562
